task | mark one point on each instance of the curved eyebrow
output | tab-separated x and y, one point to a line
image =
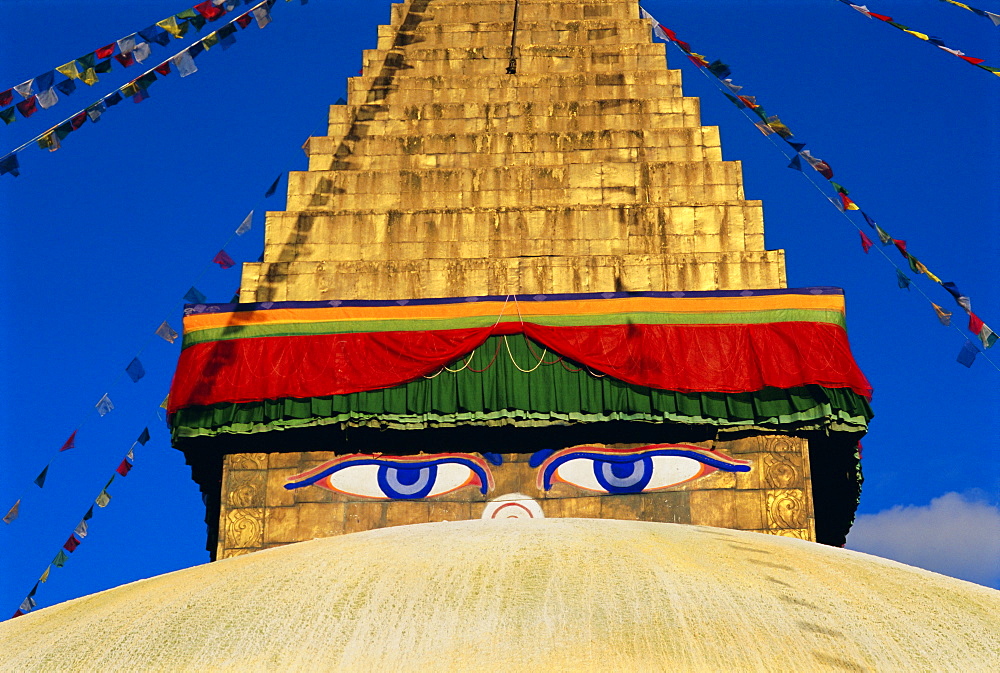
554	459
473	462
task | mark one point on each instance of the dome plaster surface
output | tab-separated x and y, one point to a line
528	594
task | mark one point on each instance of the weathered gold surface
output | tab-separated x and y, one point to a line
525	595
587	171
774	497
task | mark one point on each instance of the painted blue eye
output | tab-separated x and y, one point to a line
628	476
407	482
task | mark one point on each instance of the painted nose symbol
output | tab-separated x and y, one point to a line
513	506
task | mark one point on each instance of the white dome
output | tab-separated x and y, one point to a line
527	594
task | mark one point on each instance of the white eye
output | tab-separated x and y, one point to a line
673	470
579	472
405	478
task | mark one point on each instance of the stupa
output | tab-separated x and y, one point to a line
518	256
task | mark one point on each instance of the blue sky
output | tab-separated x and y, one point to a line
102	239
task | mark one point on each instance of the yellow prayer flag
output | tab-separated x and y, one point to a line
129	90
45	575
89	77
173	27
924	270
163	404
70	70
210	40
49	141
916	34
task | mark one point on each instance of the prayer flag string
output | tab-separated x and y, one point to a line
132	49
993	17
137	89
936	41
771	125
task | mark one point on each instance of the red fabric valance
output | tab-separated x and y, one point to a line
726	358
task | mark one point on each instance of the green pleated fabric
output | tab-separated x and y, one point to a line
521	387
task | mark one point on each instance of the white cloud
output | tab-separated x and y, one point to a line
953	535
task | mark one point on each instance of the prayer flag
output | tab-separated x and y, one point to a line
847	203
915	265
96	110
901	246
141	51
81	530
113	99
902	280
87	61
26	89
71	544
839	187
247	222
126	60
779	127
184	63
244	20
12	513
103	499
155	34
103	67
69	69
140	96
837	204
223	259
968	354
27	107
27	605
210	40
40	479
166	332
135	370
130	456
821	166
961	299
126	45
920	268
263	17
226	30
995	18
47	98
942	315
106	51
6	97
123	468
45	575
798	147
341	101
186	14
172	26
764	128
194	296
863	9
226	41
735	88
8	115
89	77
880	17
866	242
17	614
719	69
143	436
163	68
883	236
195	49
67	86
735	101
870	221
46	81
60	560
90	514
982	330
274	186
10	165
104	405
209	10
163	404
69	443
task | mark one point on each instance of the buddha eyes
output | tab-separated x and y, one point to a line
620	471
397	477
592	468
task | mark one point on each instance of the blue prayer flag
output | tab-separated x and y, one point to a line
9	164
796	163
274	185
194	296
40	479
135	370
961	299
144	436
968	354
902	280
67	86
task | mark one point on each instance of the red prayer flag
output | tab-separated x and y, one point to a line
163	68
972	60
901	246
244	21
866	242
124	468
71	544
77	120
105	52
6	97
224	260
209	10
18	614
975	324
125	59
28	106
880	17
70	443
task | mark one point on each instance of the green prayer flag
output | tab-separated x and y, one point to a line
8	115
103	67
915	266
198	21
210	40
89	77
60	560
87	61
883	237
840	188
187	14
172	26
